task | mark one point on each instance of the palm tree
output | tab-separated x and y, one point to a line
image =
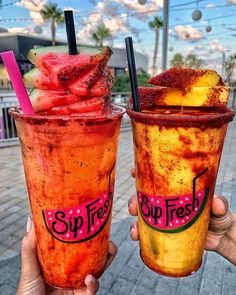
193	62
100	34
156	24
177	61
190	61
50	12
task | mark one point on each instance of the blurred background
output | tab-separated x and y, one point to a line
200	34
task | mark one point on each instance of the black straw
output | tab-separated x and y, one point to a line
132	73
70	31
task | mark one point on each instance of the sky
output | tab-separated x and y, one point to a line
128	18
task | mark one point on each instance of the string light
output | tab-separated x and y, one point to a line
197	14
10	3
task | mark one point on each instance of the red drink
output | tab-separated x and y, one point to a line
69	164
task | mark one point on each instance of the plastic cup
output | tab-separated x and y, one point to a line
177	155
69	164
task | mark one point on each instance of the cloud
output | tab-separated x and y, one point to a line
34	7
71	8
134	5
116	25
199	47
233	2
19	30
215	46
210	5
188	33
106	14
106	8
141	11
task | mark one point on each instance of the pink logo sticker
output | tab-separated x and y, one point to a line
173	213
80	223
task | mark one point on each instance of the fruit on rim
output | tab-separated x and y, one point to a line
90	85
81	87
103	86
94	104
67	84
37	52
61	67
43	100
185	79
198	96
36	79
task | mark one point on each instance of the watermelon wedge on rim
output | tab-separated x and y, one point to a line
43	100
61	67
67	84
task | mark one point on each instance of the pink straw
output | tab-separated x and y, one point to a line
17	82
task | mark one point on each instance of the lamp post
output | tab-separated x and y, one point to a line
166	8
223	51
223	64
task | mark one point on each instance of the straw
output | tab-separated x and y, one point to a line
17	82
70	31
132	74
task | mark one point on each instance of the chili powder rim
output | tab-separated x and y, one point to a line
116	112
218	118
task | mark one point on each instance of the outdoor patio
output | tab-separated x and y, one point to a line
127	275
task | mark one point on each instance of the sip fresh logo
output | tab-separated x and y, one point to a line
82	222
173	214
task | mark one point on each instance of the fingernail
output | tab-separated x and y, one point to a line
92	279
29	224
132	230
130	203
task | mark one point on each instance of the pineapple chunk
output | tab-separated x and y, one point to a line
198	96
186	79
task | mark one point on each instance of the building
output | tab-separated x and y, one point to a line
21	44
118	62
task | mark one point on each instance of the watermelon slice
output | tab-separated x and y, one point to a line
89	105
45	99
67	84
36	79
61	67
103	86
89	85
35	53
82	85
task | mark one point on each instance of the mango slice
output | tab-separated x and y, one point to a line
185	79
216	96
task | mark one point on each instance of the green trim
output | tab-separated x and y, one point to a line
184	227
35	52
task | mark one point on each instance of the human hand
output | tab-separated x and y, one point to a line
221	236
31	281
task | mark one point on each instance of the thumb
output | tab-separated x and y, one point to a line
30	264
219	206
221	218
